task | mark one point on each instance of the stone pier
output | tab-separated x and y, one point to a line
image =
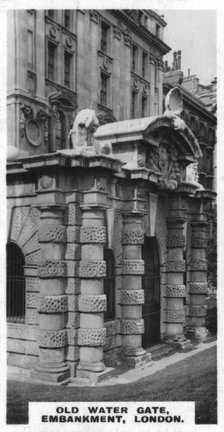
92	301
52	366
132	294
175	288
198	286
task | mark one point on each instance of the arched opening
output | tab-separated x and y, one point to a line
15	301
151	286
109	284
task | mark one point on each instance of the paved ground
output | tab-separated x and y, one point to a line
189	377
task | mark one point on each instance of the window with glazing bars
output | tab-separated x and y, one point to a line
104	37
144	106
67	69
103	90
51	61
15	298
144	60
67	18
134	57
133	104
109	284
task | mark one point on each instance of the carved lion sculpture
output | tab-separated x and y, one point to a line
82	134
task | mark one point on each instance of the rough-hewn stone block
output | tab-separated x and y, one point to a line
92	269
32	284
130	237
132	297
175	241
175	291
198	288
197	310
132	326
198	242
174	316
32	300
176	266
73	234
92	337
52	269
133	267
32	316
52	234
92	303
198	265
93	235
33	258
53	339
52	304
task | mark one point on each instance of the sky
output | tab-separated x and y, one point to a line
194	33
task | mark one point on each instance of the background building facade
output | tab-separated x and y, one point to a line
61	61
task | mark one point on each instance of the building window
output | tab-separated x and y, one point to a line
67	18
50	13
51	61
156	74
104	37
134	57
144	64
157	30
109	284
133	104
15	301
104	90
30	49
60	131
144	106
67	69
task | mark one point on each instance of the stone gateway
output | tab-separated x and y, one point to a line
106	252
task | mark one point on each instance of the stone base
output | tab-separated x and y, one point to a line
51	373
137	362
94	377
184	345
200	334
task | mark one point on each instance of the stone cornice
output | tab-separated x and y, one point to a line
142	31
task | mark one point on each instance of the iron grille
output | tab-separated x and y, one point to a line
15	301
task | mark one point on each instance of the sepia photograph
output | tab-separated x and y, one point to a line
111	237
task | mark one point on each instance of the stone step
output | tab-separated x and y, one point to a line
161	350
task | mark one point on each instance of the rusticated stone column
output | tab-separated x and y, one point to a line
52	301
132	294
92	301
198	278
175	288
